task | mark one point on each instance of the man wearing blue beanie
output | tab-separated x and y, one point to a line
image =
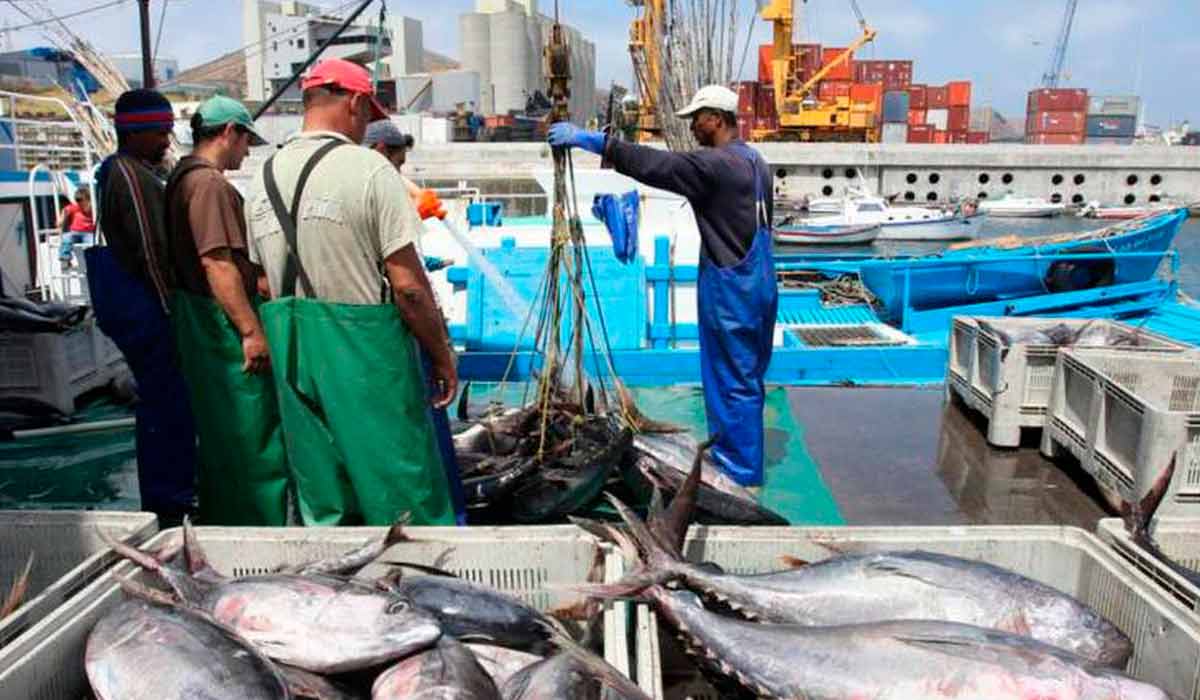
128	279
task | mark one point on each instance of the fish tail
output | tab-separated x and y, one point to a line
600	669
683	506
1138	515
181	583
654	553
16	594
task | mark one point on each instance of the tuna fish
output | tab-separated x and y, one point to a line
1139	517
574	673
908	585
887	660
316	622
306	685
150	649
501	663
355	560
445	671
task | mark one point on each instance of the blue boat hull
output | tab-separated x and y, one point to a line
979	275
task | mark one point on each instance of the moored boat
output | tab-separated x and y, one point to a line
804	234
1021	207
905	223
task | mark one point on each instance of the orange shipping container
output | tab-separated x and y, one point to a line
1056	123
937	97
959	93
766	52
866	92
1057	100
956	137
920	134
832	89
940	136
844	70
959	119
1055	139
916	117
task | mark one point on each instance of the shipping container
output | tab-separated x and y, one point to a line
959	93
918	97
978	137
959	119
895	75
808	57
1055	139
956	137
832	89
1057	100
747	97
744	128
1056	123
916	117
1114	105
769	123
940	136
1114	126
862	120
866	93
844	70
937	97
920	133
895	107
894	133
766	102
938	118
766	52
1110	140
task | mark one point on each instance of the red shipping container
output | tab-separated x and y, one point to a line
747	97
808	57
921	133
918	97
1055	139
832	89
940	136
762	123
959	93
1057	100
744	127
844	70
895	75
866	92
978	137
1056	123
766	102
959	119
937	97
766	52
916	117
956	137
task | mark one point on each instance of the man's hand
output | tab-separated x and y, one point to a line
444	377
567	135
256	353
429	206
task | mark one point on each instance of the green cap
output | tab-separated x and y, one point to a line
220	110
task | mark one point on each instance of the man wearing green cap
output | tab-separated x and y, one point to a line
222	347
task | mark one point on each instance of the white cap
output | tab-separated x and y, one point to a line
716	97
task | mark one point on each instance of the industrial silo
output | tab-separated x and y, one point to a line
476	51
511	54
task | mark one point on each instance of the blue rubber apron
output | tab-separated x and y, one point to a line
736	310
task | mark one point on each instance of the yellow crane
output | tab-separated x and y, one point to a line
801	115
645	48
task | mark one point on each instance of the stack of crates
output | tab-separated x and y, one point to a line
56	368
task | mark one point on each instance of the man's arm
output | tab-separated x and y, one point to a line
414	299
687	174
225	280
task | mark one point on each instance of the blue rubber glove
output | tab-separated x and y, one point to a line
567	135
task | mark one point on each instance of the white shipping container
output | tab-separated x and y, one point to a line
1114	105
938	118
894	133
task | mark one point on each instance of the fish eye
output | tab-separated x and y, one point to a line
398	606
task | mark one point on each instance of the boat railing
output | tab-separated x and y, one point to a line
60	144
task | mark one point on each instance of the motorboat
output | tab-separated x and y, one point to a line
1094	210
905	223
804	234
1021	207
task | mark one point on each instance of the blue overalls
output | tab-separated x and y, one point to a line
736	312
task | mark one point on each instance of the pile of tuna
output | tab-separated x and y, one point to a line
903	624
317	631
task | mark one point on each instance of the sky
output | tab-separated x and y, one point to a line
1149	47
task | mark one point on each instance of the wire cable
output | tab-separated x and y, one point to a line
162	17
58	18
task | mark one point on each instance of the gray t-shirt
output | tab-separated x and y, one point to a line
355	212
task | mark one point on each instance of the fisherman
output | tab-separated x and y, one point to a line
334	230
383	136
78	226
223	351
128	281
729	187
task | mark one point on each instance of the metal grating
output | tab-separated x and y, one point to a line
842	336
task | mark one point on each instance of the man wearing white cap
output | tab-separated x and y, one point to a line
729	187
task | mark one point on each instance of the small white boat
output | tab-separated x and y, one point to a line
1094	210
1021	207
903	223
804	234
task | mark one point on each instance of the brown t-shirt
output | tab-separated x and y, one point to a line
206	214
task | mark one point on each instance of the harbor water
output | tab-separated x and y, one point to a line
834	454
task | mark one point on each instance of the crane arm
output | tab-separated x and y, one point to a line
1058	59
867	37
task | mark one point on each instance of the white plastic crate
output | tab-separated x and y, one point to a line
1165	637
53	368
68	554
531	563
1010	384
1125	417
1178	538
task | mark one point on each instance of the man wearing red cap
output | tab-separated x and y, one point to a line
334	229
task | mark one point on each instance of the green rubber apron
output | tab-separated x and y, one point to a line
242	465
353	401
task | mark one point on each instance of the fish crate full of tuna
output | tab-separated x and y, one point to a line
1004	613
334	613
1130	420
1003	366
47	556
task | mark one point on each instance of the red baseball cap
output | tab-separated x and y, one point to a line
349	76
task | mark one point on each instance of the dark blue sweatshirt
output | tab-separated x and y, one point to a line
719	183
